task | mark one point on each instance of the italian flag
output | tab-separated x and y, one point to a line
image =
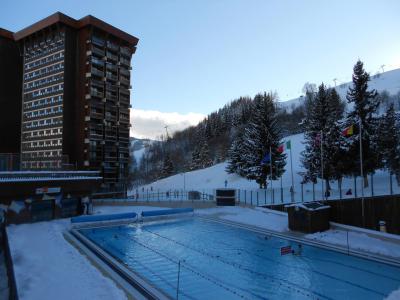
285	146
348	131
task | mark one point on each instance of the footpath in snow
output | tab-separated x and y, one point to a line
48	267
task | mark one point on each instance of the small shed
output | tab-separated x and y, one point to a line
225	197
308	217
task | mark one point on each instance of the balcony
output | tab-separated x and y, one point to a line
111	118
112	67
112	46
97	72
97	62
124	72
98	41
123	120
96	93
111	88
111	76
112	56
96	115
125	81
95	135
111	97
125	62
124	92
98	52
125	51
97	83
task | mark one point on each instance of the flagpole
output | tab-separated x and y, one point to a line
270	169
362	175
291	170
322	167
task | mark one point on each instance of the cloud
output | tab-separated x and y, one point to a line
151	123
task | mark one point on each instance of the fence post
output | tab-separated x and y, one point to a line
372	184
239	195
340	188
302	192
265	196
251	197
355	186
245	196
257	198
313	191
391	183
273	196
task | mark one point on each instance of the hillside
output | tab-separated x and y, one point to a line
214	177
389	81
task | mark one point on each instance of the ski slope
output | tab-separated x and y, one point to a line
389	81
214	177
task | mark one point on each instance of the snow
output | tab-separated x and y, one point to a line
264	218
357	241
208	179
389	81
16	206
46	266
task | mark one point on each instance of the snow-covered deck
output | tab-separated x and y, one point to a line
48	267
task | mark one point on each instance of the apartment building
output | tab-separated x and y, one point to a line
76	96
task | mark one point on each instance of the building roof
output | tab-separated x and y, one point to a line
89	20
6	34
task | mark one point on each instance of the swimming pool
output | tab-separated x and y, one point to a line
219	261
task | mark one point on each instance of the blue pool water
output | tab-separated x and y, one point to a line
224	262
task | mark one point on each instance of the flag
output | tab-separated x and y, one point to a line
281	148
288	145
286	250
284	146
348	131
266	159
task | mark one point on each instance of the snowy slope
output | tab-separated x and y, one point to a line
389	81
215	176
138	147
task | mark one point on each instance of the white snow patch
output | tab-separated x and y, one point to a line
357	241
16	206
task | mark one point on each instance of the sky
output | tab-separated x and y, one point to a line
195	56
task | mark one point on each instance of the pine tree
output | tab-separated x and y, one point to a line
365	105
261	134
235	156
389	142
323	133
168	167
204	156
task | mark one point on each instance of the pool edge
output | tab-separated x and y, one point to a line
129	281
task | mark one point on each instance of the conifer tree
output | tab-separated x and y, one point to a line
261	134
323	133
389	140
235	156
365	105
168	167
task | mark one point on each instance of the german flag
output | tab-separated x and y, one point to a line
348	131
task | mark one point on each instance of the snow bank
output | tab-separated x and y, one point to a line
357	241
46	266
